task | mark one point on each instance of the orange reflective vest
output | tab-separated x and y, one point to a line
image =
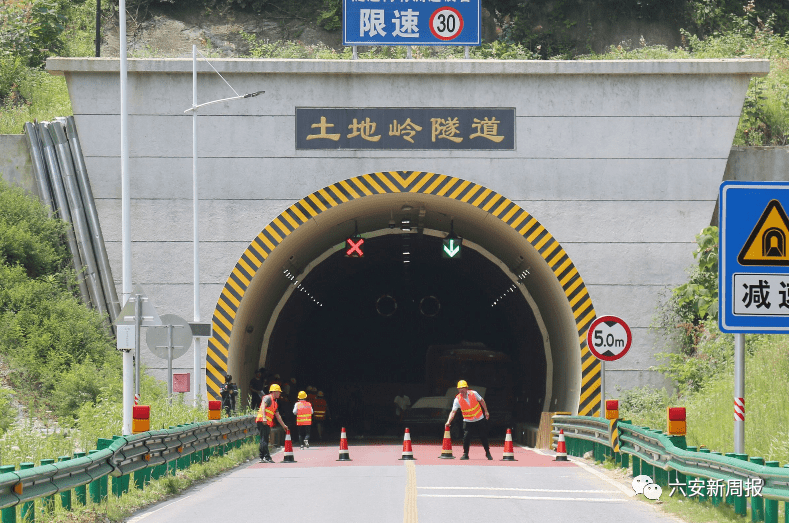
303	413
471	409
267	413
319	409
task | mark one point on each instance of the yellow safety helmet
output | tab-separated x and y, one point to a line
462	384
302	395
275	388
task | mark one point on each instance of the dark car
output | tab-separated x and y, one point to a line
428	415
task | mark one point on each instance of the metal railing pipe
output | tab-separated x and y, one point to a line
63	211
99	247
71	186
39	167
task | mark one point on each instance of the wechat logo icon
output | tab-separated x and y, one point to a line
645	485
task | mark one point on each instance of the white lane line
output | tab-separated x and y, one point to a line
531	498
628	491
143	516
625	490
558	491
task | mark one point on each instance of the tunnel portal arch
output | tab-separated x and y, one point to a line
370	203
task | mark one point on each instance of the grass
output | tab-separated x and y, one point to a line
709	411
39	96
767	413
119	509
701	512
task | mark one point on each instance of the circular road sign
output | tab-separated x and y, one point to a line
156	337
609	338
446	23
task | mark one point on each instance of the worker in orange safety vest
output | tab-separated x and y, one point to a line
265	421
320	413
475	417
303	412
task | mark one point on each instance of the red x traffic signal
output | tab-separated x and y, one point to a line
353	247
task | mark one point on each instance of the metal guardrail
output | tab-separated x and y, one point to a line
656	449
124	455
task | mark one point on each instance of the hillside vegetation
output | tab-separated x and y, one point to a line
32	30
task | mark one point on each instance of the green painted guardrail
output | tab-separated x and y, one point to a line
672	463
148	455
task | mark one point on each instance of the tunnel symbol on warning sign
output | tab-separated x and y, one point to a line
766	244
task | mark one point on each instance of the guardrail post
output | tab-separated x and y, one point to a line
101	444
741	502
120	484
28	511
65	496
81	492
729	499
47	502
8	514
757	502
704	450
97	487
717	499
647	469
688	479
139	478
771	505
636	466
786	505
678	478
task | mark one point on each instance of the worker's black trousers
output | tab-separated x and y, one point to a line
477	429
265	432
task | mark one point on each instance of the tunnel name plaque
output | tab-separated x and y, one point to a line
417	128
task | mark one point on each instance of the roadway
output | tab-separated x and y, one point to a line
377	486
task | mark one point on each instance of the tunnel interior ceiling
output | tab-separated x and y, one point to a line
472	280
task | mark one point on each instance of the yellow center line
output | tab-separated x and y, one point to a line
409	506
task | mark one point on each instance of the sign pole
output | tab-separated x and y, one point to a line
170	363
739	393
602	388
137	325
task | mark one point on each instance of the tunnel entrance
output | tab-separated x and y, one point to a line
368	329
511	313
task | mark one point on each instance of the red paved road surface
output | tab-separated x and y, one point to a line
382	455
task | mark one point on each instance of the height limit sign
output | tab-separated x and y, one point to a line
609	338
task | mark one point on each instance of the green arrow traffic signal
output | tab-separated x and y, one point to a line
451	247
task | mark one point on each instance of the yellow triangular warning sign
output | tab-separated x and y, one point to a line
767	244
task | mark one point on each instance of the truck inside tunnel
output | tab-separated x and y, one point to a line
402	319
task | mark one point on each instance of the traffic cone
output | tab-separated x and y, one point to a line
446	446
509	451
344	456
288	449
561	448
407	452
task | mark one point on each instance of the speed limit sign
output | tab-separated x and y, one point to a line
609	338
446	23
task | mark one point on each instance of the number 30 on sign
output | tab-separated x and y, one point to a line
609	338
446	23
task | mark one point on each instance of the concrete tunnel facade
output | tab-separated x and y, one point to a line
311	229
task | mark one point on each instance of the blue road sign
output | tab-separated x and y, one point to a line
753	257
411	22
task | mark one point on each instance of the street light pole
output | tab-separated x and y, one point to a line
195	231
195	200
128	370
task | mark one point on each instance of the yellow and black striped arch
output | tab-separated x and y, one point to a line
403	182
